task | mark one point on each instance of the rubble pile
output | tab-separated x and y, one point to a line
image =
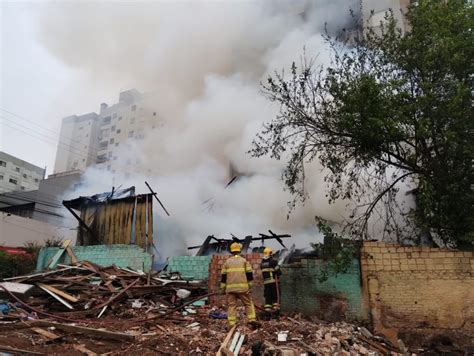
89	309
87	290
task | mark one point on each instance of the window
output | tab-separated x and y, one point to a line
115	158
101	159
154	114
116	144
130	134
108	167
106	120
110	154
17	169
22	188
36	180
1	177
81	127
120	118
134	107
103	144
112	128
3	164
112	140
119	131
132	120
25	176
83	160
13	181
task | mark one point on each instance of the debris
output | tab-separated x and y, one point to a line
226	341
51	336
365	332
183	293
19	351
16	288
57	297
87	331
58	292
282	336
84	350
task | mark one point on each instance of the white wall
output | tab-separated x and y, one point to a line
16	230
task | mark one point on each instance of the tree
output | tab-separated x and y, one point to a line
392	108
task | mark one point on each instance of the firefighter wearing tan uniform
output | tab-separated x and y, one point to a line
236	280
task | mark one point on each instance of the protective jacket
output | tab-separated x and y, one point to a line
270	269
236	275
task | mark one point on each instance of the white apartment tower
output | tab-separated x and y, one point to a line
102	139
16	174
77	147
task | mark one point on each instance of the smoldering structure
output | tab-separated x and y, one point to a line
114	218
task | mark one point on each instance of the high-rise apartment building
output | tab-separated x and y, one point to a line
16	174
77	147
103	140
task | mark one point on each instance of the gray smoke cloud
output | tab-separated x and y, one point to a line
203	62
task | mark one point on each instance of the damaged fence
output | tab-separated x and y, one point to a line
339	297
126	256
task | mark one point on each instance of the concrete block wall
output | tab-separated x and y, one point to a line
418	287
190	267
105	255
215	268
337	298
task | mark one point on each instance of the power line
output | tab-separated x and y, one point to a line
49	139
58	134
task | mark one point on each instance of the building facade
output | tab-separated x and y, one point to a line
78	140
103	140
16	174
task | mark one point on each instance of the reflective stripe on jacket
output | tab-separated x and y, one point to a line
270	269
236	275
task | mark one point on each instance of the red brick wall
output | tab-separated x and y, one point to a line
215	268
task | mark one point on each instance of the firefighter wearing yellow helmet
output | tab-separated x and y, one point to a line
270	272
236	280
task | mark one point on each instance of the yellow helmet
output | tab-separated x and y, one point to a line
267	251
235	247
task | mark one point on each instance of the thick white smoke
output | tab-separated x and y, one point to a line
204	62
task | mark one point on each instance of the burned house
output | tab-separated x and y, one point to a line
117	217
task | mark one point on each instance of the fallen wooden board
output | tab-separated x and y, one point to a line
46	333
59	292
71	254
226	341
87	331
234	341
18	288
84	350
19	351
57	297
239	345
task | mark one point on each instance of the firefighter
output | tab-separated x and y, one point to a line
270	272
236	280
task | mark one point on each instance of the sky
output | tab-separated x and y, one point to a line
36	88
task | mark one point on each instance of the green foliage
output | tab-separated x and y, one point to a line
392	108
338	251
